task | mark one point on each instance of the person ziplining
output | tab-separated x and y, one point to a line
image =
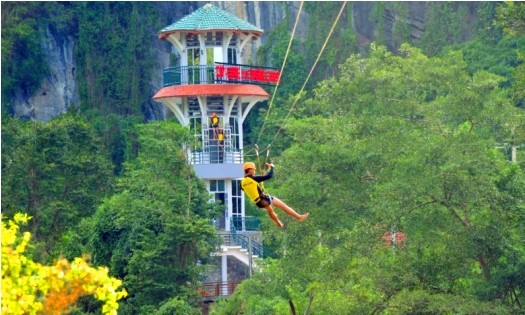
251	185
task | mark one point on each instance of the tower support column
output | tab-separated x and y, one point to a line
224	274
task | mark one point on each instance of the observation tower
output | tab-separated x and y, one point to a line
209	78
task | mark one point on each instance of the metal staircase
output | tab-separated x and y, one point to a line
240	241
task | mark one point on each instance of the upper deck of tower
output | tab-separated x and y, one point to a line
210	18
211	47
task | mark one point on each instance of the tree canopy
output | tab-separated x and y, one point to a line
398	143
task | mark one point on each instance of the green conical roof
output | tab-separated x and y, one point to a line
211	18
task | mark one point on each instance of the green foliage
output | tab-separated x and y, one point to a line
447	24
484	27
114	64
177	306
155	229
342	42
23	62
118	134
510	18
405	143
55	172
401	28
501	58
113	55
273	53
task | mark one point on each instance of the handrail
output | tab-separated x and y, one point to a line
233	239
213	289
246	223
220	73
244	241
215	154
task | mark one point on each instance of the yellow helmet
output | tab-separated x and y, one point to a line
248	165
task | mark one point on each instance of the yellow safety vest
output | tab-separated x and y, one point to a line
251	188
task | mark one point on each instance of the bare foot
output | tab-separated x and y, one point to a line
303	217
280	224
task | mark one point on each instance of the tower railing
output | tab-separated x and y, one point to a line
220	73
245	223
217	154
215	149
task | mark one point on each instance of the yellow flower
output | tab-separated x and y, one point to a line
31	288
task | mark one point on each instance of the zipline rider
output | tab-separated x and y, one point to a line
251	186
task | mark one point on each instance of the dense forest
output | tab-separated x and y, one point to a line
426	138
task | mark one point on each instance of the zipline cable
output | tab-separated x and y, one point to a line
311	71
307	78
282	69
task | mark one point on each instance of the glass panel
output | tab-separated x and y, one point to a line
217	54
195	129
221	197
193	56
210	56
234	133
192	40
232	56
236	197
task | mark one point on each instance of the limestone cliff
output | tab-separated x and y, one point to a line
59	90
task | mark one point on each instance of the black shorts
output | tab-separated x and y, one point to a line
266	200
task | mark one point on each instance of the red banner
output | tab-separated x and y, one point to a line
257	75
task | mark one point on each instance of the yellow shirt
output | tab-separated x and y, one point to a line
250	185
250	188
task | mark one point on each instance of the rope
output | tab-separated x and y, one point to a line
311	71
282	69
304	84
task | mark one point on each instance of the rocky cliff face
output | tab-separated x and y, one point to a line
59	91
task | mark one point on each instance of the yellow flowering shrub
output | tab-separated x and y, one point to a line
31	288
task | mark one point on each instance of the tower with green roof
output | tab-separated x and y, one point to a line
210	78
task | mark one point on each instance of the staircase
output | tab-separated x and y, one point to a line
238	245
242	244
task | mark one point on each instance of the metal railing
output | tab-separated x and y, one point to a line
213	289
245	223
215	155
242	240
234	239
213	150
220	73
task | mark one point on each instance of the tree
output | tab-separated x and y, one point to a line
155	232
57	172
23	63
31	288
511	17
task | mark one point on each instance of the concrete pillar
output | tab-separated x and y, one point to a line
224	274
